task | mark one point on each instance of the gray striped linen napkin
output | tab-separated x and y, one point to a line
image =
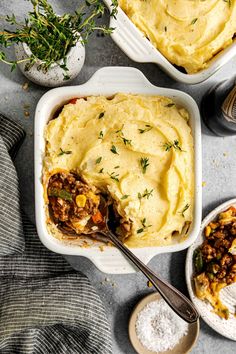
45	306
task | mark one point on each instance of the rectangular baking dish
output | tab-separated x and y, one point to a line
108	81
138	48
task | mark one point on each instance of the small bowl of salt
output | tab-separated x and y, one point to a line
155	328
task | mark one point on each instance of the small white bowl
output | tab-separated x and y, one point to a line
108	81
226	328
134	44
184	346
55	76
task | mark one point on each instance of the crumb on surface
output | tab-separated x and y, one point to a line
203	184
25	86
26	114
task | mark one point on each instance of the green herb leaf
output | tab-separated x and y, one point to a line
101	171
99	159
170	105
114	176
194	21
101	115
148	127
113	150
168	146
101	136
184	209
125	196
60	193
140	230
49	36
126	141
64	152
144	164
144	226
146	194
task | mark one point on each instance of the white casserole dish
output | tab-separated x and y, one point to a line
108	81
138	48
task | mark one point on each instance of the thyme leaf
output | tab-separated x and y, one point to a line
114	176
144	164
144	226
146	194
148	127
99	159
184	209
101	136
125	196
64	152
113	150
169	145
101	115
194	21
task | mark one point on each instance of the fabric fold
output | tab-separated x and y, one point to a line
46	307
11	231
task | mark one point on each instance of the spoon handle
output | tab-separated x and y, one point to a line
175	299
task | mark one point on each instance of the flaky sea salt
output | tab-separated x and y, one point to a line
158	327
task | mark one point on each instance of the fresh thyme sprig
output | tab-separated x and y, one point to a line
50	36
184	209
144	226
64	152
121	136
148	127
169	145
146	194
114	176
144	164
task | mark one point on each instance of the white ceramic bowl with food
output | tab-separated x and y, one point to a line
226	328
108	81
137	47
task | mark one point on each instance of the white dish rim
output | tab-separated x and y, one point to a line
189	262
108	81
138	48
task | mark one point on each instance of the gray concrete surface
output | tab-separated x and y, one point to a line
121	292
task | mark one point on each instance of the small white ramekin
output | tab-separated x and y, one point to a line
138	48
108	81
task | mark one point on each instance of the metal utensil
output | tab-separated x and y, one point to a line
175	299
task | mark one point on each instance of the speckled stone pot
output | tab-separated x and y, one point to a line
55	75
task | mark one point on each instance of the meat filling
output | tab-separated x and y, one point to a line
72	203
77	208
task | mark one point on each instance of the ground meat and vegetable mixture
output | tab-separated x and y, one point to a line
215	260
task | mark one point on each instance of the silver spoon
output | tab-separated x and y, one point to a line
175	299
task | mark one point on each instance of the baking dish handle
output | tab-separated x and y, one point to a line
111	78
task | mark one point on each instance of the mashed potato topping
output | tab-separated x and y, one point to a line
139	149
187	32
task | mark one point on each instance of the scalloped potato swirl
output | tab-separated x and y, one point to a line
189	33
139	150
